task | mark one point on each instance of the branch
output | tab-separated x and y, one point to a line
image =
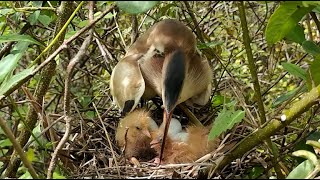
55	53
269	129
66	9
18	148
251	61
68	118
256	85
316	20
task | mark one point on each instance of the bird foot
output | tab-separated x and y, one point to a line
135	162
157	161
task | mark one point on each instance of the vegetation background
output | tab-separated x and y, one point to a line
56	113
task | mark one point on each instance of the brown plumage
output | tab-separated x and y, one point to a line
165	62
134	135
184	146
140	72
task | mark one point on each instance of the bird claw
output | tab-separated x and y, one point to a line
135	162
157	161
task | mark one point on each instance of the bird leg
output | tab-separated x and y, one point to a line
166	119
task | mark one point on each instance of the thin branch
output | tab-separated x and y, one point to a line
68	118
55	53
252	67
34	9
256	85
109	141
316	20
269	129
18	148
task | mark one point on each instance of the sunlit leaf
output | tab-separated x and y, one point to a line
8	63
284	19
5	142
6	11
301	171
58	176
209	45
225	120
26	175
307	155
14	80
30	154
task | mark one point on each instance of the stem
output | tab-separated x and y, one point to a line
270	128
62	31
18	148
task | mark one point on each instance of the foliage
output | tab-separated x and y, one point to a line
285	46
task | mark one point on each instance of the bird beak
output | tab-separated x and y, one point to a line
146	132
127	107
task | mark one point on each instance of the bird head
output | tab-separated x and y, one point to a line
139	125
127	84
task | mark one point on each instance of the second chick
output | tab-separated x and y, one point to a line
183	146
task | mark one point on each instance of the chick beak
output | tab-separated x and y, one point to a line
146	132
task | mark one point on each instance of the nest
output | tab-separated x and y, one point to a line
93	153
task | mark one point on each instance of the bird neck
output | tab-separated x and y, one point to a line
174	72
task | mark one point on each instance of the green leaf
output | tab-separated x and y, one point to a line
310	3
30	154
225	120
307	155
18	37
301	171
21	46
136	7
7	64
14	80
295	70
33	18
209	45
6	11
83	23
45	20
90	114
58	176
287	96
219	100
5	142
296	35
315	71
311	48
284	19
255	172
26	175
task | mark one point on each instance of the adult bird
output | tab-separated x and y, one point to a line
164	61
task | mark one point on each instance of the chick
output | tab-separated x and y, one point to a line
184	146
134	135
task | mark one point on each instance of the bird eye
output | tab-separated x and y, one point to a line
138	128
